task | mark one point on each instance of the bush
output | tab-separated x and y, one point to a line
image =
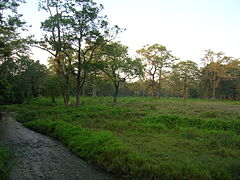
27	116
4	156
209	114
172	121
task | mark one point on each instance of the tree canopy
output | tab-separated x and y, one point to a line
86	59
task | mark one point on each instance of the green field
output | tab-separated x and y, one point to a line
145	137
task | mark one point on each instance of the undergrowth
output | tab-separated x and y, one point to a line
173	121
4	157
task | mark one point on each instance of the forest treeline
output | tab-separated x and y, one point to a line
86	60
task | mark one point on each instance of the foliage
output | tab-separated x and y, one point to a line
118	66
188	74
74	31
12	45
215	69
7	94
52	89
20	76
4	157
156	58
173	121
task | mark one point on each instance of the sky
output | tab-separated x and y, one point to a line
186	27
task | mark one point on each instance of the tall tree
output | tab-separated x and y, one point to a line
229	87
90	31
30	77
14	49
56	40
188	73
12	45
173	84
52	84
118	66
156	58
214	69
76	25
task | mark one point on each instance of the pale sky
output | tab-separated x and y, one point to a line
186	27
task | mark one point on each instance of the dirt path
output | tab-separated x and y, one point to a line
36	156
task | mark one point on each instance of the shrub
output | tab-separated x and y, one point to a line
209	114
4	156
172	121
27	115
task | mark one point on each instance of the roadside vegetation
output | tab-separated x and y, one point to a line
145	137
4	157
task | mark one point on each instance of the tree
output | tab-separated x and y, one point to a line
156	58
56	40
77	26
52	84
11	44
14	50
6	92
89	32
118	66
229	86
214	69
173	84
28	80
188	73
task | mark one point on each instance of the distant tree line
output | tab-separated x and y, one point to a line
86	61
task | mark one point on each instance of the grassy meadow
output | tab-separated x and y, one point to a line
145	138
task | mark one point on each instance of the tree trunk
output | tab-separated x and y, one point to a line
79	71
67	96
185	89
116	85
159	83
214	92
78	90
65	91
153	80
214	86
78	97
94	89
53	99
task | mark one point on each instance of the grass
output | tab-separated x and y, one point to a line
144	137
4	157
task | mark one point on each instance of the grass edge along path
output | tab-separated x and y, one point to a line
102	147
4	157
106	150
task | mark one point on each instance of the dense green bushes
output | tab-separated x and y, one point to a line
4	157
173	121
